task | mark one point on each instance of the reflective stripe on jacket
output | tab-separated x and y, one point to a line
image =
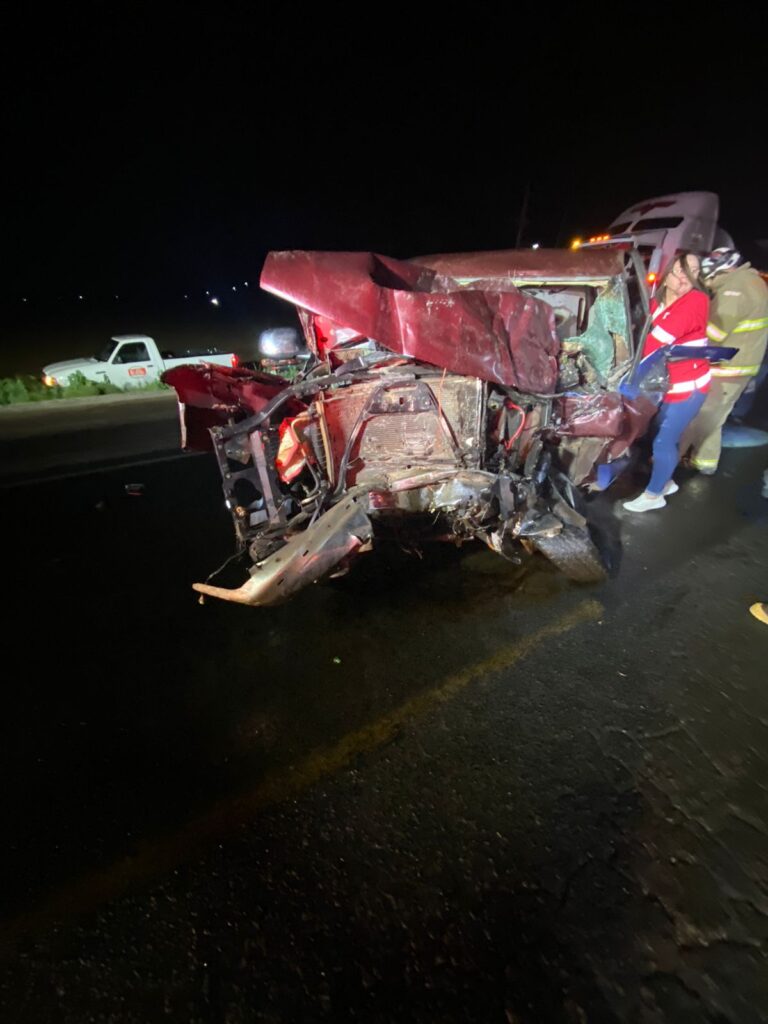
683	322
739	317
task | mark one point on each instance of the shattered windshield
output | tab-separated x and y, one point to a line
604	343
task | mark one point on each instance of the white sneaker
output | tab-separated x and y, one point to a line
670	487
645	502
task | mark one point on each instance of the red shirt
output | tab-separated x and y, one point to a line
683	322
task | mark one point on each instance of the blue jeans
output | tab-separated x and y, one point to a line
674	417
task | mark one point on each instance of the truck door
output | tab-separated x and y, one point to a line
638	299
132	365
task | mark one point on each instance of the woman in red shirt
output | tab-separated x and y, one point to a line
678	317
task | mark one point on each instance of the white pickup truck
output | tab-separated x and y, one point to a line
130	360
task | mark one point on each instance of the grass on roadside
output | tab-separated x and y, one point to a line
14	390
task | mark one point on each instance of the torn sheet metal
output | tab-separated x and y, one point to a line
600	428
638	413
605	414
432	411
345	530
211	396
503	336
462	490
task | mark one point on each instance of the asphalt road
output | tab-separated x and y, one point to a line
441	789
76	435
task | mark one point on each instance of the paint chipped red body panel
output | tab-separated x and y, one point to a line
209	395
605	414
432	411
498	334
619	420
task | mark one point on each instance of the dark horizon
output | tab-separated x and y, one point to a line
171	160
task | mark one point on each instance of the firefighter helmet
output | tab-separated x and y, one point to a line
719	260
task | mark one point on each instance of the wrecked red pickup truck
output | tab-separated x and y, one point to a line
457	397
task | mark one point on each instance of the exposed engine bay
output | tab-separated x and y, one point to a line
433	407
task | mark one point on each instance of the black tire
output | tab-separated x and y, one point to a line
574	554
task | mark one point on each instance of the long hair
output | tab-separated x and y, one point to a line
695	279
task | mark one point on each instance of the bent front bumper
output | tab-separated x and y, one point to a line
344	531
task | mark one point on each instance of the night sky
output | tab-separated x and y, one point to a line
172	155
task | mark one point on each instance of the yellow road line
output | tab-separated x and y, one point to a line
160	856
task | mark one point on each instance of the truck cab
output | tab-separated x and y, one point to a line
130	360
659	228
680	221
127	360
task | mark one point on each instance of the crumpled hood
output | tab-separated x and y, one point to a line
504	336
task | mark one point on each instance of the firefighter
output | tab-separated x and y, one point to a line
738	318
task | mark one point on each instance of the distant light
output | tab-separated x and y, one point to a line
214	301
576	243
234	289
80	297
24	300
186	296
535	245
207	293
245	284
117	296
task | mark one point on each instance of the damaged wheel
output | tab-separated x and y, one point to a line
574	554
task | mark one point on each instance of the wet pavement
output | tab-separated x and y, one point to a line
440	789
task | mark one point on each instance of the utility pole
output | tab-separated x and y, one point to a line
523	215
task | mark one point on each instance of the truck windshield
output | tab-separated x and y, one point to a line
106	352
